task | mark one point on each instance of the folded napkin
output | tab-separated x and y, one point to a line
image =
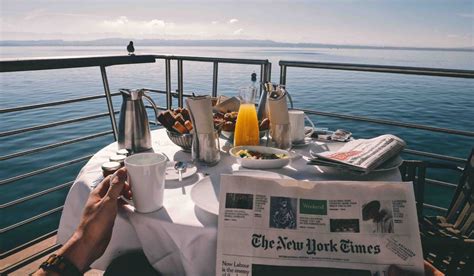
200	108
279	118
278	107
205	142
225	104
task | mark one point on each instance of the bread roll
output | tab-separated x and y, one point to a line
179	127
188	125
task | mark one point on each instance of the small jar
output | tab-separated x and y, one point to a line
123	152
118	158
109	168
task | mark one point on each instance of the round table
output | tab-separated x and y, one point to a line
181	238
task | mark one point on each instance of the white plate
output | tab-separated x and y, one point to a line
261	164
172	174
205	193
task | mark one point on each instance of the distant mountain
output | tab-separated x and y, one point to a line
209	43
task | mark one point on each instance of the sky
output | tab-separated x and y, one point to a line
415	23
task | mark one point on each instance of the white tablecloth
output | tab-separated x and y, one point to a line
180	238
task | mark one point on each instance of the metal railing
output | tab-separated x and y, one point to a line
102	63
265	72
420	71
451	73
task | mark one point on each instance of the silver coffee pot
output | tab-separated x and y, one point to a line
134	130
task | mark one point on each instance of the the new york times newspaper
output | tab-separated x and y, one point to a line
289	227
365	154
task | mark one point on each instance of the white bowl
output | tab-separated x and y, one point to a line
261	163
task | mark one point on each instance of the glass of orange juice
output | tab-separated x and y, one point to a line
246	129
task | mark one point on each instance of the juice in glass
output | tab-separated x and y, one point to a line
246	129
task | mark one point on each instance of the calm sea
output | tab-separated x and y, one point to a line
441	102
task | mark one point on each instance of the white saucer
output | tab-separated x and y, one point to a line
172	174
205	193
307	141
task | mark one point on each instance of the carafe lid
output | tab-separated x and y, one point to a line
133	94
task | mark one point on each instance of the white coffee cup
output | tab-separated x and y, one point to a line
297	124
146	175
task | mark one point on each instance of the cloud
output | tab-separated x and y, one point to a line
214	22
35	14
238	31
233	20
126	26
122	20
468	15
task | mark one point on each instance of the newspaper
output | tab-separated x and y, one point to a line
290	227
364	154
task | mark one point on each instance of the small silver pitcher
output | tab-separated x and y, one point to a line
133	130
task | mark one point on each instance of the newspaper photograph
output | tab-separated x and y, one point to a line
365	154
290	227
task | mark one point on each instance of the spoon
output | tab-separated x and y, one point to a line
181	167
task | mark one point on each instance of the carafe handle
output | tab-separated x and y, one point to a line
155	108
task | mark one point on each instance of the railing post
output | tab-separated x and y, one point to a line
169	99
108	97
180	83
282	74
263	73
268	72
214	78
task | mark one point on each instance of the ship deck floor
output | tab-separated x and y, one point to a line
32	267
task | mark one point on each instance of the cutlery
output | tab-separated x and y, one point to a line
181	167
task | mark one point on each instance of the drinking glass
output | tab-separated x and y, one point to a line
246	128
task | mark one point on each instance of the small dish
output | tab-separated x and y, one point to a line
261	163
172	174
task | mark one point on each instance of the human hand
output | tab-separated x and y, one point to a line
93	234
430	270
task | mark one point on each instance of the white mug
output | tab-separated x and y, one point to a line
146	176
297	118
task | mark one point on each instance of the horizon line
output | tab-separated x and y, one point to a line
270	43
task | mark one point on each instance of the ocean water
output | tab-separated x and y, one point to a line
441	102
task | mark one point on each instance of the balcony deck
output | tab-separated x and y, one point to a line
33	266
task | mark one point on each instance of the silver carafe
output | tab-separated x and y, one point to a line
134	130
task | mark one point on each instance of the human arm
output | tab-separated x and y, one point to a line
93	234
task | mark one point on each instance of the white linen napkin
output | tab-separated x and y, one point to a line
278	109
200	108
174	249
